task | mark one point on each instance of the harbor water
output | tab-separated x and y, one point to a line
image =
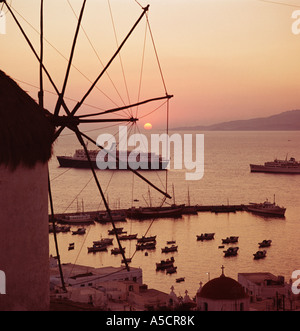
227	180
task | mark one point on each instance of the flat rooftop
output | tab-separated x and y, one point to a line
77	272
258	277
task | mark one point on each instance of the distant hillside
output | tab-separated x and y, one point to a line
286	121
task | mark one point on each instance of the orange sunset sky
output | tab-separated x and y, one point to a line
221	59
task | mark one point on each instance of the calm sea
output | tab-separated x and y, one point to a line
227	179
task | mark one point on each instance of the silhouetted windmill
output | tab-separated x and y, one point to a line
70	119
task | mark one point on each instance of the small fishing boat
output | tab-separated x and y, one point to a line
63	228
167	249
171	242
146	245
171	270
260	255
128	237
205	236
179	280
164	264
97	248
230	240
116	251
144	239
79	231
231	251
117	230
103	241
265	243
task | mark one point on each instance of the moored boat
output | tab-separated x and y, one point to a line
260	255
171	270
155	212
116	230
128	237
117	216
205	236
97	248
169	242
231	251
79	231
267	208
58	229
164	264
146	245
117	250
167	249
230	240
103	241
265	243
144	239
76	219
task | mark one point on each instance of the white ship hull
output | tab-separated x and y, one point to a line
265	211
275	169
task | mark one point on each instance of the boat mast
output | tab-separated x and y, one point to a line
173	194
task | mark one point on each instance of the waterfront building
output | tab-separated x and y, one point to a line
262	285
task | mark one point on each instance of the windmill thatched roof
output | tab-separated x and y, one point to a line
26	133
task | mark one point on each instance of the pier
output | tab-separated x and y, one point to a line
198	208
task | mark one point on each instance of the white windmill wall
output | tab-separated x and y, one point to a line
24	244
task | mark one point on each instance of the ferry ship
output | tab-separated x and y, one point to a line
290	166
124	160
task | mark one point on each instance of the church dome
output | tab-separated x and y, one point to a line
222	288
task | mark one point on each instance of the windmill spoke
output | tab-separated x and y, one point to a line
80	139
128	106
109	62
61	95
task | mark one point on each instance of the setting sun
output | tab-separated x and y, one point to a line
148	126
